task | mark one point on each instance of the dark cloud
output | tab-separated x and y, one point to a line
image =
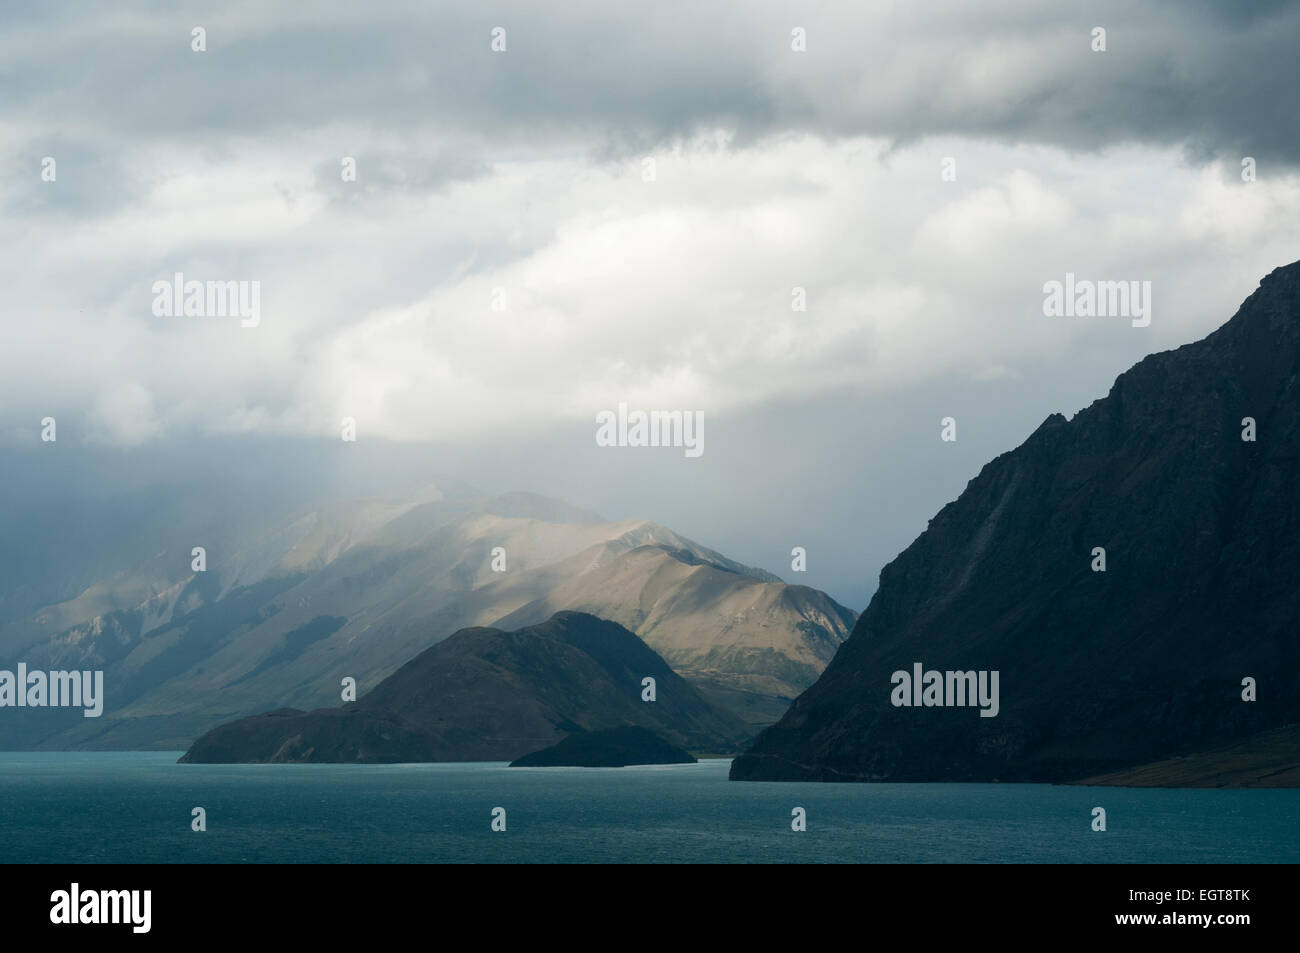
395	172
1216	78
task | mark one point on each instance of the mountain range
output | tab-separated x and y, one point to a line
285	609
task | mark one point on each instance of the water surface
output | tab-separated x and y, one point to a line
115	807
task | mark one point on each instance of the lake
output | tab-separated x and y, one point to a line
123	807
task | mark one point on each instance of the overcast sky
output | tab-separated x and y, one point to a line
525	170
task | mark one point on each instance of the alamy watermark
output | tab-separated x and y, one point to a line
208	299
53	690
1084	298
921	689
654	428
74	905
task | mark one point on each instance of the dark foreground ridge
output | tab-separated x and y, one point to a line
612	748
1100	672
488	695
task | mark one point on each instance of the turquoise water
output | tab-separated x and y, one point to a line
115	807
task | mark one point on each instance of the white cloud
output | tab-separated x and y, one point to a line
671	294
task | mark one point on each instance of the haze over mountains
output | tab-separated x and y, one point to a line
1102	672
285	610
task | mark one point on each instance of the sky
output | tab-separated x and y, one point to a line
623	204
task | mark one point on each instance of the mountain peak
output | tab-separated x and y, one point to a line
1283	274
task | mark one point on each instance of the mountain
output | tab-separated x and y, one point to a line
612	748
751	643
1100	671
488	695
285	610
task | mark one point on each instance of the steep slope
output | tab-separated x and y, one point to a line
1099	671
488	695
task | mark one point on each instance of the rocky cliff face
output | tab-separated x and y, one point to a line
488	695
1099	671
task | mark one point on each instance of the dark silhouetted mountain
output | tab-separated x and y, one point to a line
1099	671
611	748
488	695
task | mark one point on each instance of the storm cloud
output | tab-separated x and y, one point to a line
621	205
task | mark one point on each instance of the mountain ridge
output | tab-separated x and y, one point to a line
1200	531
